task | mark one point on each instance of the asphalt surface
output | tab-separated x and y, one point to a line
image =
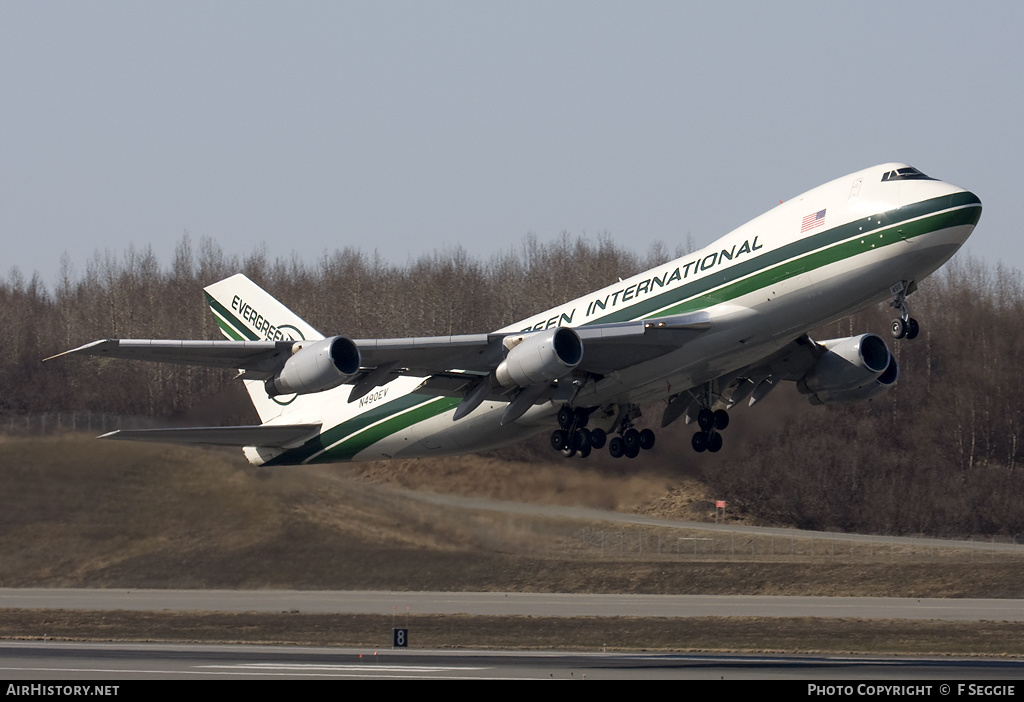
131	664
524	604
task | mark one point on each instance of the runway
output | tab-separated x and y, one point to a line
38	661
57	660
514	603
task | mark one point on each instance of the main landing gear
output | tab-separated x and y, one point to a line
710	423
572	437
906	326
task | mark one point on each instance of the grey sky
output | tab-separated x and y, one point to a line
406	127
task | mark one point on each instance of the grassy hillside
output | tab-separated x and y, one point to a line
87	513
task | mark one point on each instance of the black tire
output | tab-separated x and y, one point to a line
598	437
913	328
559	439
715	443
565	417
581	439
617	447
705	418
633	451
721	419
582	417
632	438
700	442
647	439
898	329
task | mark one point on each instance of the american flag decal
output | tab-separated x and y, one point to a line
815	219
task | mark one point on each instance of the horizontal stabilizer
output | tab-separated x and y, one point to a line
273	435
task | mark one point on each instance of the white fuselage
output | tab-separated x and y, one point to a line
814	259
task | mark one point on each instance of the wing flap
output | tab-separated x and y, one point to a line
611	347
432	354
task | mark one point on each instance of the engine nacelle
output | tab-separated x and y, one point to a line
539	357
315	366
854	368
865	392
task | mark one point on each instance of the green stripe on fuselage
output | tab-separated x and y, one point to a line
392	416
806	254
345	440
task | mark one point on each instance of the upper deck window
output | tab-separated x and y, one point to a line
905	174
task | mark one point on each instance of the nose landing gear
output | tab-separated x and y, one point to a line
906	326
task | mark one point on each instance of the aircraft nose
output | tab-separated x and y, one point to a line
937	193
962	212
966	199
972	199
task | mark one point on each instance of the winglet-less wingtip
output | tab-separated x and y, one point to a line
85	348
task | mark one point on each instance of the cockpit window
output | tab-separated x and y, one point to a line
905	174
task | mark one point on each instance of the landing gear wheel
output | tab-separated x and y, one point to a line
647	439
632	438
598	437
721	419
705	418
633	451
617	447
715	443
912	328
898	329
565	417
559	439
581	440
906	326
582	416
700	442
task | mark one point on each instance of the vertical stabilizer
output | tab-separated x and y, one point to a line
246	312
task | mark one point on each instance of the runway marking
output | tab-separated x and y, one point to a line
345	667
342	670
282	670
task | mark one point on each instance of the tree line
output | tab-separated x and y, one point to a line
941	453
346	292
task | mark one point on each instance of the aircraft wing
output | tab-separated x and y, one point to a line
608	347
252	356
427	355
451	365
460	366
611	347
274	435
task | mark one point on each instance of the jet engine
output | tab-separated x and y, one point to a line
852	369
539	357
315	366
